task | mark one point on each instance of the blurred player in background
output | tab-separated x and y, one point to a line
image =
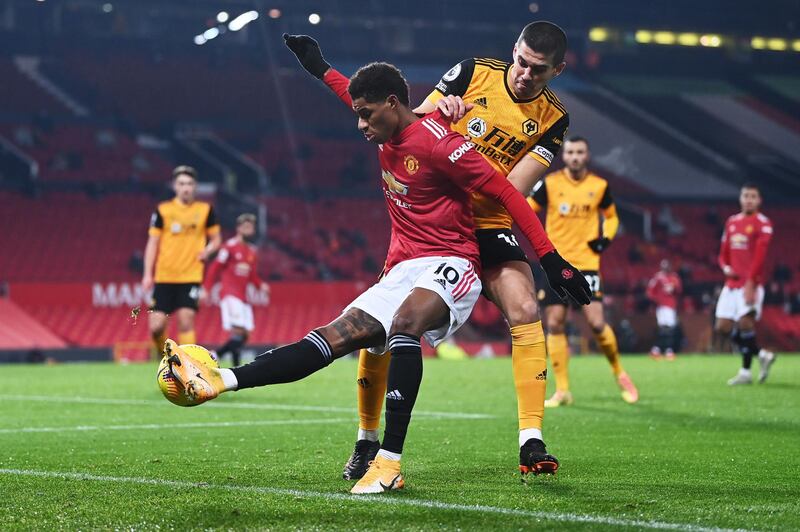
518	125
663	290
573	199
745	241
183	234
431	280
237	264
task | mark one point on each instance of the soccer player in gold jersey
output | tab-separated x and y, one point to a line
183	233
518	124
574	198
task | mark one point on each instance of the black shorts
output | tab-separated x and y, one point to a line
168	297
497	246
547	296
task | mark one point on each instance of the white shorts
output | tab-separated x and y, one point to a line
731	305
453	278
236	313
666	316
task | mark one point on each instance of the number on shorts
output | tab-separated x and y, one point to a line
448	272
511	240
194	292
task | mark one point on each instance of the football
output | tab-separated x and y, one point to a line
170	386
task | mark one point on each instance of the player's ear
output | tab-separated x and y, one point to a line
558	69
392	101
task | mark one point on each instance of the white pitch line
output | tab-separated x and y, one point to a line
153	426
379	500
242	406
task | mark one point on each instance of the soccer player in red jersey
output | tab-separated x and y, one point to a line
237	264
745	241
531	124
432	273
663	290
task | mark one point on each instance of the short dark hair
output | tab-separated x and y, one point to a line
751	185
546	38
578	138
184	169
244	218
375	82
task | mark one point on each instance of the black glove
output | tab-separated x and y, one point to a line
599	245
565	279
308	53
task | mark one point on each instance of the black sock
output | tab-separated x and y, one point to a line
286	364
225	348
663	338
235	347
402	385
673	339
735	340
748	347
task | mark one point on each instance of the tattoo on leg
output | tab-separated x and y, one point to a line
354	330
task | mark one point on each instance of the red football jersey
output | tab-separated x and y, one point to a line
428	196
744	247
429	173
237	262
664	289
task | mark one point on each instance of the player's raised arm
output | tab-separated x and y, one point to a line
309	54
471	171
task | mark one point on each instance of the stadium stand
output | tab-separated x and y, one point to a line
677	138
18	330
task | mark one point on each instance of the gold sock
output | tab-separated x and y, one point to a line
188	337
529	362
372	373
158	343
607	341
558	349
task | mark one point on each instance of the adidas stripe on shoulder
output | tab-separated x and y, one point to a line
438	130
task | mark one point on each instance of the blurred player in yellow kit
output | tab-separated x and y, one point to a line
573	199
183	234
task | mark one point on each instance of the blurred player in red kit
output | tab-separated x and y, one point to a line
236	264
745	241
663	290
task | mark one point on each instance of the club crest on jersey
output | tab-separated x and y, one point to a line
476	127
453	73
738	241
393	184
411	163
748	229
530	127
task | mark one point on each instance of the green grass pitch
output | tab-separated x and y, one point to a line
95	446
